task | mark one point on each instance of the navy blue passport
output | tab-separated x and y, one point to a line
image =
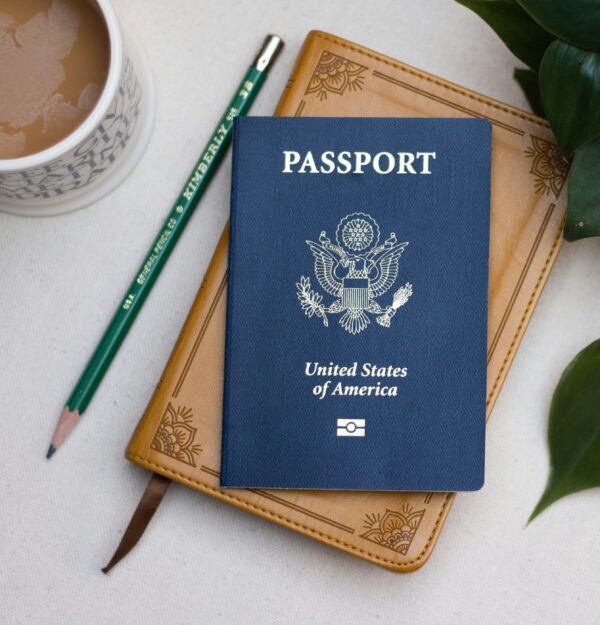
357	304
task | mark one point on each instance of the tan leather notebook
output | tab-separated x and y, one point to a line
179	435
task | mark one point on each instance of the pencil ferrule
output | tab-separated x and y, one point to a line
271	47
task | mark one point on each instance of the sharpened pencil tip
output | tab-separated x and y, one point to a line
67	421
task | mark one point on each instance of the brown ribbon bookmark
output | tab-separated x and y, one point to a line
153	495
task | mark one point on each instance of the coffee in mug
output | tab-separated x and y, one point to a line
54	62
76	104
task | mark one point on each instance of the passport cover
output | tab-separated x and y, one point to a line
179	435
357	304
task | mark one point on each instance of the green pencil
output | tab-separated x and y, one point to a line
164	244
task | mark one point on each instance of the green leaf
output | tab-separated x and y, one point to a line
570	88
575	21
521	34
583	214
528	81
574	429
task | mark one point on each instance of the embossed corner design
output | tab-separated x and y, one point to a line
174	436
549	167
335	74
393	530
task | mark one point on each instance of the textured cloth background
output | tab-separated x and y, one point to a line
202	561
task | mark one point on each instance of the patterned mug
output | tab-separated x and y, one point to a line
100	152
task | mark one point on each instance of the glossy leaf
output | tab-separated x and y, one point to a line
575	21
574	429
570	88
583	214
528	81
521	34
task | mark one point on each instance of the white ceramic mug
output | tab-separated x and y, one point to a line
99	153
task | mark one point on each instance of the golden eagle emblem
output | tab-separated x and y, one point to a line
355	270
